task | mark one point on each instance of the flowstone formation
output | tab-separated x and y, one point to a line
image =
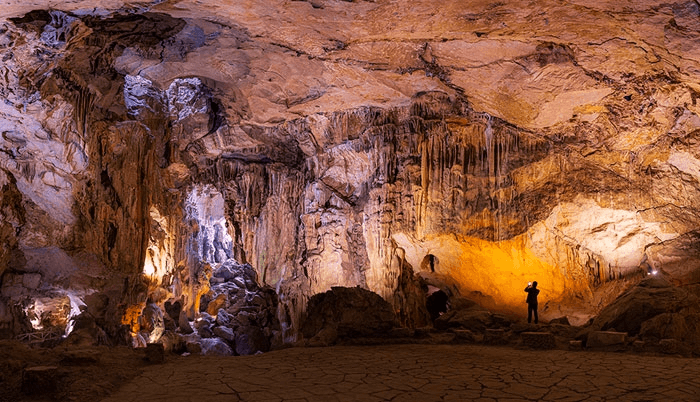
402	148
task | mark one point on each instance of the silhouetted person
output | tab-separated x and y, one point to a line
532	293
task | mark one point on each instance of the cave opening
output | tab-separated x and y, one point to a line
430	263
437	303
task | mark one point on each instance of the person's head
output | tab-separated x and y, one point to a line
534	284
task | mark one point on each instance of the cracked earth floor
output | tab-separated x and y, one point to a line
418	373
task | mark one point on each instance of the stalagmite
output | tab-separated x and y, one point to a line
146	151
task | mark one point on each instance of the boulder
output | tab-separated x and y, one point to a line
352	312
560	320
598	339
683	325
173	342
173	309
194	348
217	303
250	340
223	318
672	346
650	298
655	309
229	271
520	327
202	325
215	347
538	340
495	336
86	332
325	337
471	316
152	322
224	333
473	319
183	324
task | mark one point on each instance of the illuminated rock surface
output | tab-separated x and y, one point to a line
392	146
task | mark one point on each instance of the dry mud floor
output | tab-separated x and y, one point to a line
387	373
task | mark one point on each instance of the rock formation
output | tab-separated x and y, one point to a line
346	313
653	311
386	145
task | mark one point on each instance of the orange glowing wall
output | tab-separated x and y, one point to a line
500	270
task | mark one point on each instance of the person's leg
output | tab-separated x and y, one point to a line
534	310
529	313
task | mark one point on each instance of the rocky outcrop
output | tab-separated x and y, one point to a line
234	315
246	314
652	311
466	314
345	313
677	259
341	144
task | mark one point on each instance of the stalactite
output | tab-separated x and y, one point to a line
83	107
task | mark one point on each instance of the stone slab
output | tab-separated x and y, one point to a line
598	339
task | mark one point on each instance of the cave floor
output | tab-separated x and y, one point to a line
418	373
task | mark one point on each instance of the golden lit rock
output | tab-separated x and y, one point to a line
393	146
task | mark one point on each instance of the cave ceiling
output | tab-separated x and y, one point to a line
326	143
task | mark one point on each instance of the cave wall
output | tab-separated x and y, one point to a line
474	147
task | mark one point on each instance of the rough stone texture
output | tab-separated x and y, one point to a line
84	357
342	313
40	380
495	336
471	316
538	340
673	346
643	302
155	353
598	339
679	257
215	347
577	345
653	310
343	144
560	320
246	313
